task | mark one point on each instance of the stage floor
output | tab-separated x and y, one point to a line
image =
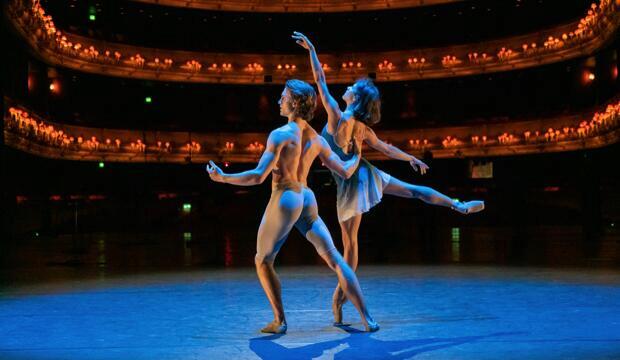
425	312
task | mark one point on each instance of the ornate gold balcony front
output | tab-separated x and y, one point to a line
561	43
30	133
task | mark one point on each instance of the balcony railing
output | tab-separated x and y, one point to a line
30	133
113	59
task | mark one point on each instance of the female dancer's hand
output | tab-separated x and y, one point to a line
302	40
215	173
418	165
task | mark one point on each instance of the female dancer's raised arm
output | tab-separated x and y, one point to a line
331	105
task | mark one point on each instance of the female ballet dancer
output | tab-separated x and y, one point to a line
365	188
289	152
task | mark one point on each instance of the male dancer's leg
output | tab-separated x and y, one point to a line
314	229
346	276
280	215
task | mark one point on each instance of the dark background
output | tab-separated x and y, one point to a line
553	209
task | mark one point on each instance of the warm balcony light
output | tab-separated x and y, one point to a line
254	67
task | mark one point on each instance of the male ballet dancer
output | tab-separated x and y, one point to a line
289	152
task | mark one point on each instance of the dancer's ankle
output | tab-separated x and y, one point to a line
455	205
275	327
370	324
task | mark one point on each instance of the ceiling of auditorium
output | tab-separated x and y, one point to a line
158	26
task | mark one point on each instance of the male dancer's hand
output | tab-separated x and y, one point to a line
215	173
418	165
302	40
357	146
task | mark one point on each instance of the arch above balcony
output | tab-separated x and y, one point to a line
297	6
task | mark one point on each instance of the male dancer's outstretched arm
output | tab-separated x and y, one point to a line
255	176
331	105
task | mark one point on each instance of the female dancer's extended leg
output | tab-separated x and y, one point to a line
398	188
431	196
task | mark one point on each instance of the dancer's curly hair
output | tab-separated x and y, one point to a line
367	105
303	98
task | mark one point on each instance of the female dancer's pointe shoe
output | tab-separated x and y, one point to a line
468	207
337	310
372	326
274	328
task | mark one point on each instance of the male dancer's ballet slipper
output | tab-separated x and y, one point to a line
372	327
274	328
468	207
341	324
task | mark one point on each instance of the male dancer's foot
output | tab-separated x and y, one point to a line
275	327
369	322
371	326
468	207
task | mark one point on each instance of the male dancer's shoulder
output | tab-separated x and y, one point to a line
280	135
309	132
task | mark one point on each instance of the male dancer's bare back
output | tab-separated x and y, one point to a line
288	142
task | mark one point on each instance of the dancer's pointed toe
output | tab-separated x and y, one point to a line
337	311
468	207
